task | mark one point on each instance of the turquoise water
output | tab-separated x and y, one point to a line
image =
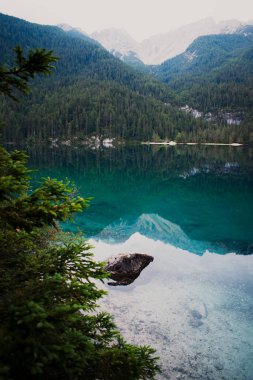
190	207
194	197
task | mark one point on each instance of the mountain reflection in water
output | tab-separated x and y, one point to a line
195	197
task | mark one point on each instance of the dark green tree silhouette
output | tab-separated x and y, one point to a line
50	326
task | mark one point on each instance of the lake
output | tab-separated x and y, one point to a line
191	207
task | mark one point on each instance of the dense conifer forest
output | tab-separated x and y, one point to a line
95	94
215	74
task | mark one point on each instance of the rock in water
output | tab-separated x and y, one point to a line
124	268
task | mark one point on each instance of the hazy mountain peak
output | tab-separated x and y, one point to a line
111	35
160	47
69	28
229	26
65	27
114	39
112	30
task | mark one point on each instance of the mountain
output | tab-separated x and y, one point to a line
119	43
77	32
116	39
215	75
91	93
68	28
131	59
93	96
158	48
207	52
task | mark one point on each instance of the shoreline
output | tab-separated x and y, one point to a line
113	143
173	143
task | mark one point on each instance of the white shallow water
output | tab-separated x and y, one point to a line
196	311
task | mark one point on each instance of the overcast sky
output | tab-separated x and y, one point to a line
141	18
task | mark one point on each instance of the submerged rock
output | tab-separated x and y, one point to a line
196	319
196	314
124	268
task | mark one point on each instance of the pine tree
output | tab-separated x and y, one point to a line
50	327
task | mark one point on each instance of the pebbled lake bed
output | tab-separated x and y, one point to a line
197	311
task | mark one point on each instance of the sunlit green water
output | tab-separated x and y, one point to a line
194	197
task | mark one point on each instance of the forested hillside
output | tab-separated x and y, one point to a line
91	92
215	74
206	53
80	57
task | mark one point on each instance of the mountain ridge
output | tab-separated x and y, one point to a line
91	93
215	76
158	48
